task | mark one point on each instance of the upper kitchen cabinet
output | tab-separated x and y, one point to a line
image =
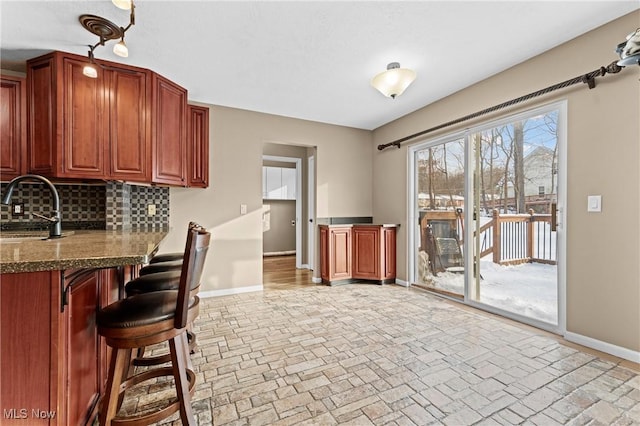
169	115
198	146
13	130
89	128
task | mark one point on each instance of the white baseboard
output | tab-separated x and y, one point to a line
316	280
304	266
279	253
599	345
402	282
229	291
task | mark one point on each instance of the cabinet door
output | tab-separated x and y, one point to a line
13	131
129	125
198	146
84	130
389	259
42	107
274	183
288	183
366	252
324	253
83	386
169	132
28	336
340	252
109	293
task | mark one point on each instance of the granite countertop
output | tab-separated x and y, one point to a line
28	252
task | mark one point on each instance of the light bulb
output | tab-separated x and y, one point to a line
122	4
121	49
90	71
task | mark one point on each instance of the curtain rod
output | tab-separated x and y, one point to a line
589	79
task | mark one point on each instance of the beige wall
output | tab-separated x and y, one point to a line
343	167
603	249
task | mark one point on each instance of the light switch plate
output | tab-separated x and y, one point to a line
151	209
243	209
594	203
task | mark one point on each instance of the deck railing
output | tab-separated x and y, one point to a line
509	238
512	239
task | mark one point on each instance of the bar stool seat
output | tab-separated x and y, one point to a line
152	268
149	319
147	309
166	257
158	281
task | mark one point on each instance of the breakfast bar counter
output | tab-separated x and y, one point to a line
53	362
26	252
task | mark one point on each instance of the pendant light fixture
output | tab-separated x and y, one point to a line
107	30
394	80
90	70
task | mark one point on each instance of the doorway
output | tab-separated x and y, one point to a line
489	222
288	211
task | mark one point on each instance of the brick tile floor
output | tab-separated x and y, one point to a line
386	355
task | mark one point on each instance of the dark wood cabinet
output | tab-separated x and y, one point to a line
53	362
358	252
198	146
127	124
83	361
13	130
169	112
83	141
88	128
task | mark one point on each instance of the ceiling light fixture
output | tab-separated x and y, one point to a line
90	70
107	30
394	80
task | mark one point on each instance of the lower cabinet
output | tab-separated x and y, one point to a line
335	253
357	253
53	362
82	345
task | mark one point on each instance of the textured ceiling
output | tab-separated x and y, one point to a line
312	60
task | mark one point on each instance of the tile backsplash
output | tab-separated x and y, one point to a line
111	206
127	206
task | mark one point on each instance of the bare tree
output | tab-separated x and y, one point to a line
518	166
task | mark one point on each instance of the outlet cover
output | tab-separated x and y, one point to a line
17	209
151	209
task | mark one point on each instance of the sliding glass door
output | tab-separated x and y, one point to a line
515	199
439	204
495	193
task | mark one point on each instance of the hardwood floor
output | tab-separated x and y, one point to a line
280	273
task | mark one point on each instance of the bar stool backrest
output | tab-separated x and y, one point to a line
195	254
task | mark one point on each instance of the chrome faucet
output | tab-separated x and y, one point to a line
55	222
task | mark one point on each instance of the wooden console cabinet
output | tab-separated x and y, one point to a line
353	253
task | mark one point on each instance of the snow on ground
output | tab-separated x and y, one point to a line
529	289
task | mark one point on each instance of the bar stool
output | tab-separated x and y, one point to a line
152	282
149	319
162	273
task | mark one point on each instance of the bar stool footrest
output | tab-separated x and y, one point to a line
145	419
